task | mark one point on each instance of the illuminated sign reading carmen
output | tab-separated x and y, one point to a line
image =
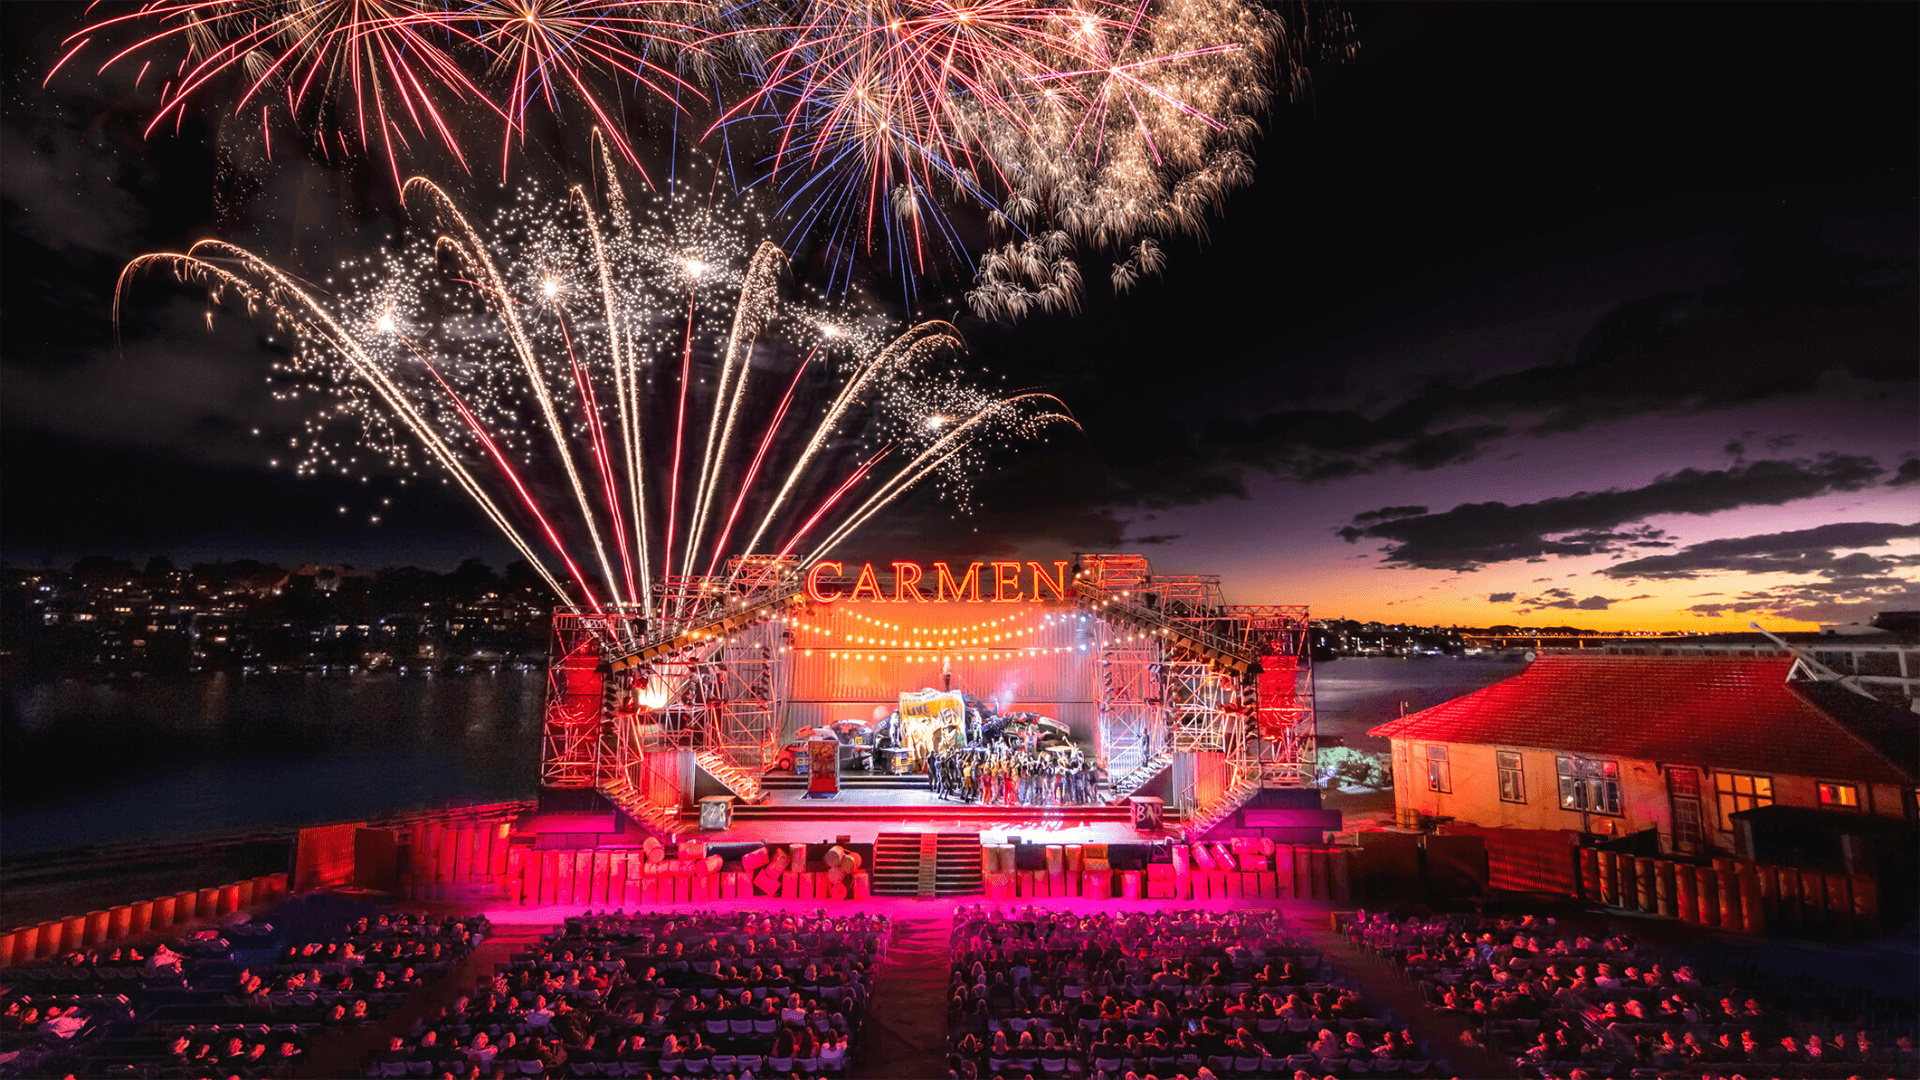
994	583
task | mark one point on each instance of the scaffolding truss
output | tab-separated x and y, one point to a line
1128	701
1283	704
633	702
578	738
1232	684
1199	707
744	713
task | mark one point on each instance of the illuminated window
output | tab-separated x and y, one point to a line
1588	785
1736	792
1840	796
1689	824
1439	773
1513	780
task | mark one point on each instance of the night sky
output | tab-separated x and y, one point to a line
1600	315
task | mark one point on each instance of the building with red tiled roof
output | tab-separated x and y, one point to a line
1613	745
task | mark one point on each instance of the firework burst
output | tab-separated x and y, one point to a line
377	75
628	398
1075	128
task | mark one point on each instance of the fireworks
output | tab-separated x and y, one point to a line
1080	125
1155	139
622	397
1075	128
366	73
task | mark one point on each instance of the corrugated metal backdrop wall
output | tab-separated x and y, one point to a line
850	658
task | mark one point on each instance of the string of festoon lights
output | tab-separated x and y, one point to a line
950	631
932	644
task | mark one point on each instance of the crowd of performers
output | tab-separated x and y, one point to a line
999	776
977	754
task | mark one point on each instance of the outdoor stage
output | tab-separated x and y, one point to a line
1151	686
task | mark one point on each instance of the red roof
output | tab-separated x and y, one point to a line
1713	711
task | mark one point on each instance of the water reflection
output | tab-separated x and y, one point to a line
88	763
111	762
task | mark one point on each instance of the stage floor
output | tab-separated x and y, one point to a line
868	805
1032	826
868	789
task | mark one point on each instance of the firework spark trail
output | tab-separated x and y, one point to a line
535	380
907	478
540	41
949	444
191	264
758	306
826	504
513	476
760	455
625	381
679	436
899	352
358	65
626	370
597	442
459	384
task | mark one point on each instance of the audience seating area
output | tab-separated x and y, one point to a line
1233	993
1560	1002
241	1000
681	994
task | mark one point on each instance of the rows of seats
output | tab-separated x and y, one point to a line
1234	993
1558	999
242	1000
663	995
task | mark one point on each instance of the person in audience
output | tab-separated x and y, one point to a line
163	960
481	1052
428	1050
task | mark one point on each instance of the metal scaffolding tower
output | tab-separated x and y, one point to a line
1231	685
1222	693
578	737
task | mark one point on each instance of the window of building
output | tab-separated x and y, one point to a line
1737	791
1840	796
1513	780
1589	785
1439	772
1689	824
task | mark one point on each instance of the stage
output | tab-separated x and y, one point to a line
869	804
994	824
1083	682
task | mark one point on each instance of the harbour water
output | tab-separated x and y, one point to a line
1356	693
87	763
125	761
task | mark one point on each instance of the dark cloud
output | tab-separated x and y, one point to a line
1832	600
1589	523
1501	597
1799	321
1838	588
1387	513
1801	551
1155	538
1566	601
1909	473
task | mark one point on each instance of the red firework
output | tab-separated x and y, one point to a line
377	73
